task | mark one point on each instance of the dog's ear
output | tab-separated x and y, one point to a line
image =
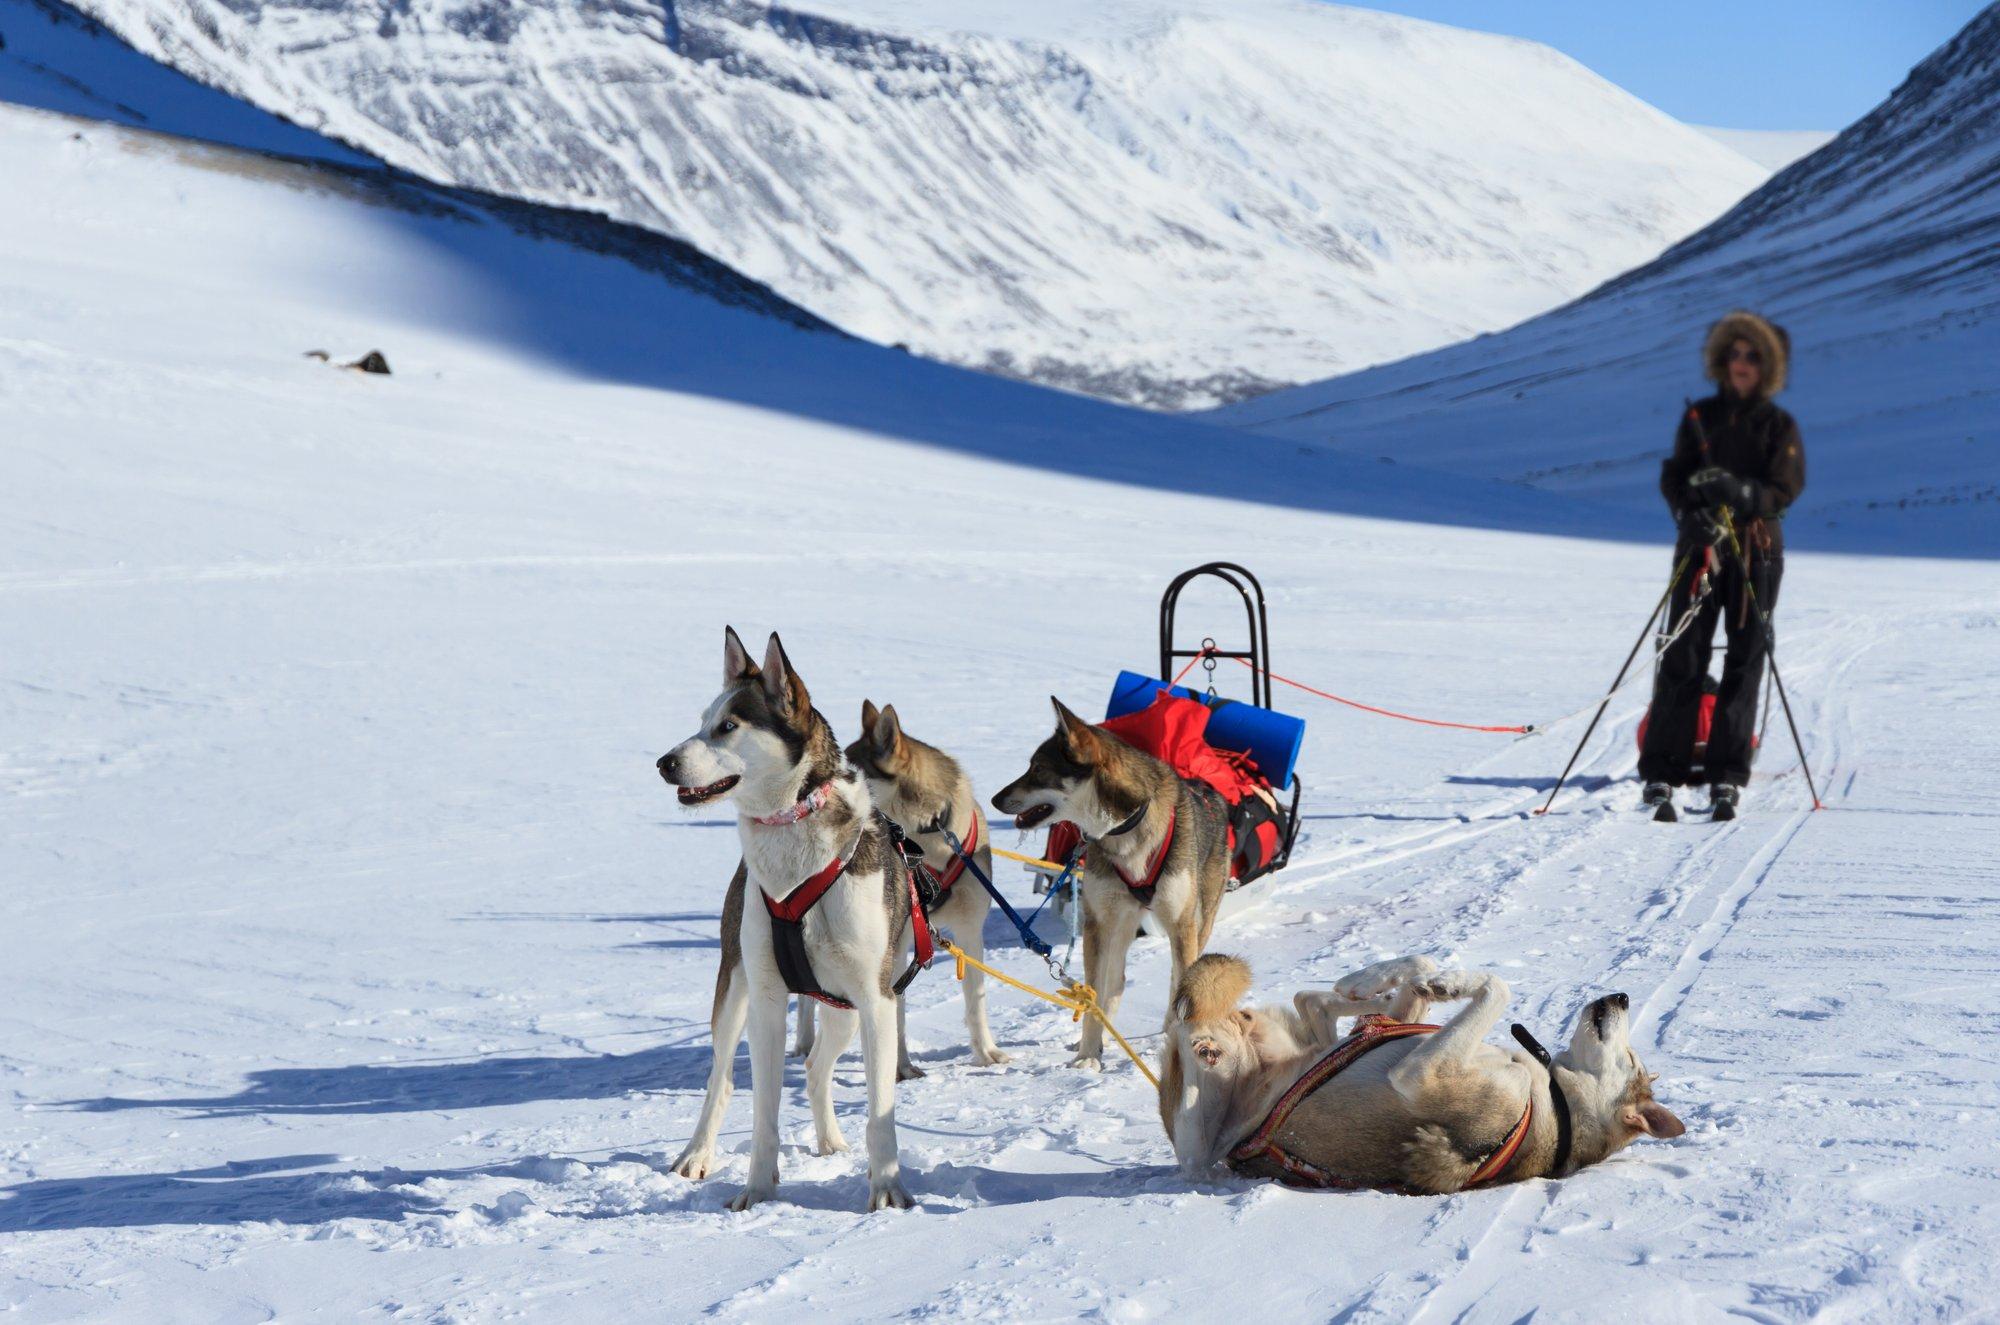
887	732
1654	1119
868	715
736	663
781	684
1079	737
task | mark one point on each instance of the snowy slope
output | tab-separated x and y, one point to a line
358	963
1773	149
1880	253
1175	202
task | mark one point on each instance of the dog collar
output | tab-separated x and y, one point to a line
1564	1133
812	801
1138	817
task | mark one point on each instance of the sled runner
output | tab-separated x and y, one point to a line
1246	751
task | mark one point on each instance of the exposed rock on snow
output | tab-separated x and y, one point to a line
1177	202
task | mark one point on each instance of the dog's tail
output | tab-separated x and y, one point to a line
1211	988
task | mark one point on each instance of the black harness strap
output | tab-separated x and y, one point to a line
1564	1133
788	933
788	920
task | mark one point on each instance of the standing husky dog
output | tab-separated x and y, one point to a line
914	784
825	897
1157	842
1277	1094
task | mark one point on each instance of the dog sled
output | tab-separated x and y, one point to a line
1246	750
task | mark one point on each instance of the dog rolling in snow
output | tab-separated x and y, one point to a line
1157	843
825	909
1396	1105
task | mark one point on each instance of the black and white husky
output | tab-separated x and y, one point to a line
824	883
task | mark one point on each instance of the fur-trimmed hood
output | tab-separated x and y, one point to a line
1773	346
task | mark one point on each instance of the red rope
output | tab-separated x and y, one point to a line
1357	704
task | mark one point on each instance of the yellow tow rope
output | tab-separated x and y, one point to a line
1079	998
1035	861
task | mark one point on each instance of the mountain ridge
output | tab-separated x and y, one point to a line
1171	204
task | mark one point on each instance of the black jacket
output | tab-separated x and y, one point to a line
1755	439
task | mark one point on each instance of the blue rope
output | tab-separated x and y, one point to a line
1067	879
1028	936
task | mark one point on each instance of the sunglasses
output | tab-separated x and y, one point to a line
1744	356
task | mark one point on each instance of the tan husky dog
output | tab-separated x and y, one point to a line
916	784
1434	1111
1157	843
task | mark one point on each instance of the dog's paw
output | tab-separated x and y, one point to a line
695	1165
888	1194
1088	1062
751	1196
908	1072
1383	976
833	1143
992	1057
1449	986
799	1050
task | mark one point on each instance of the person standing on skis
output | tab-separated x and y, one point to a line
1737	451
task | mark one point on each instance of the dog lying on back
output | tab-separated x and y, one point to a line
1157	842
1426	1112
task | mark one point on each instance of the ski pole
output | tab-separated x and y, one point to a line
1637	644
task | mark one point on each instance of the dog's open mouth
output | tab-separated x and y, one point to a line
703	795
1033	815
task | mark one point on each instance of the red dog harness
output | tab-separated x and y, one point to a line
788	931
1142	888
1372	1031
959	857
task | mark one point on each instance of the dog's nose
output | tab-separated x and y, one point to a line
665	760
1619	1001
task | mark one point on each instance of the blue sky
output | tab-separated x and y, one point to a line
1754	64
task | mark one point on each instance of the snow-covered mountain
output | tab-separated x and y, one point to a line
1880	253
1173	202
1773	149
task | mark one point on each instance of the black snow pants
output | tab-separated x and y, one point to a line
1668	754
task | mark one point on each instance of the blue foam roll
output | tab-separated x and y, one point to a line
1272	738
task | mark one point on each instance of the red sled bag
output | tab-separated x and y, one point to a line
1704	719
1173	729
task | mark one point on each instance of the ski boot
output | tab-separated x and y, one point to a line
1661	797
1722	799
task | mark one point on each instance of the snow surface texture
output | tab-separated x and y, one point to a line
1175	203
359	963
1881	255
1773	149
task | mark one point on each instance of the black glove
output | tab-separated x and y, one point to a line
1718	487
1696	524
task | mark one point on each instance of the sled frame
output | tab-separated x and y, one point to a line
1256	652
